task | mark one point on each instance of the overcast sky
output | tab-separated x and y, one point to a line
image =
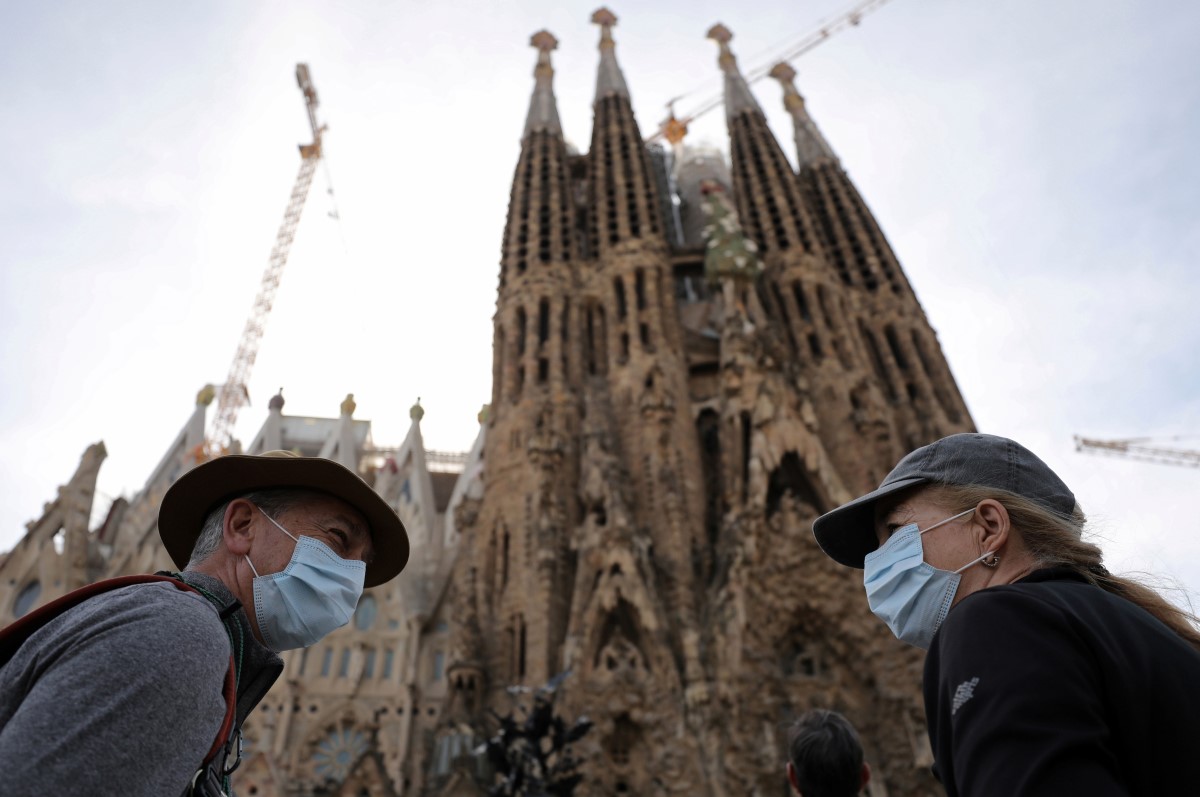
1035	165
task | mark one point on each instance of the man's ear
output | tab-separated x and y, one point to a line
238	527
866	776
791	770
991	518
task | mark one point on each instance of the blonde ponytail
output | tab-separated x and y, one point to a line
1054	540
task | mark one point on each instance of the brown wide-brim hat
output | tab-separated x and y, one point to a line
205	487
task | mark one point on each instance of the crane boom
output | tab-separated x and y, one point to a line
674	129
233	393
1141	449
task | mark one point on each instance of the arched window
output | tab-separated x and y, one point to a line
521	322
543	321
790	478
27	597
364	615
877	363
709	431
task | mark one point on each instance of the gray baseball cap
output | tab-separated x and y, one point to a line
847	534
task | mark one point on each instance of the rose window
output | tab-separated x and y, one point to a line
338	752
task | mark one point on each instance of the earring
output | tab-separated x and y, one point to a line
994	563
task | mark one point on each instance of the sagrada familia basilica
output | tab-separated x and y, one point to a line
692	359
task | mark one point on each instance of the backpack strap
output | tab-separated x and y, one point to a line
230	711
15	635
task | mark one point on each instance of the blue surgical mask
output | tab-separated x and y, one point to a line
906	592
314	595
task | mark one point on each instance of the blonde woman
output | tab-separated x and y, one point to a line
1046	674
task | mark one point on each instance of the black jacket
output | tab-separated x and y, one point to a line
1051	686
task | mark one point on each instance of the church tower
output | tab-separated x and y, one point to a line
901	346
517	574
674	402
811	305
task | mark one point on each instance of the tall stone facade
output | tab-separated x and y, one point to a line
693	359
679	389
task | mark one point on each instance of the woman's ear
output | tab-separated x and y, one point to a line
992	521
238	529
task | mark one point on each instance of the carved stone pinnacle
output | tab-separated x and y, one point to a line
783	72
604	17
544	40
720	34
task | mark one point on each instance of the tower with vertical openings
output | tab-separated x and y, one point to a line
905	358
693	359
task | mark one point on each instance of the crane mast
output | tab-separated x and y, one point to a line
233	394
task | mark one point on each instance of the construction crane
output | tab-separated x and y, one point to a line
1143	449
673	129
233	394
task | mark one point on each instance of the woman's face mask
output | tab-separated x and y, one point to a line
314	595
906	592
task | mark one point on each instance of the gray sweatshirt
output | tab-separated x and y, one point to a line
122	695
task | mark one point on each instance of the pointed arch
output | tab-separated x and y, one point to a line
790	477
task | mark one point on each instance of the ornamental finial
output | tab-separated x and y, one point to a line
738	98
786	75
720	34
783	72
609	80
544	41
606	20
543	112
811	146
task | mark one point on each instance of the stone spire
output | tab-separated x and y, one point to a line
609	79
811	146
623	194
543	110
738	98
767	196
539	210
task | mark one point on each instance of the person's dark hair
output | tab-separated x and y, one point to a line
826	753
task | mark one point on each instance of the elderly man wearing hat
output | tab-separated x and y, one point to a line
138	686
